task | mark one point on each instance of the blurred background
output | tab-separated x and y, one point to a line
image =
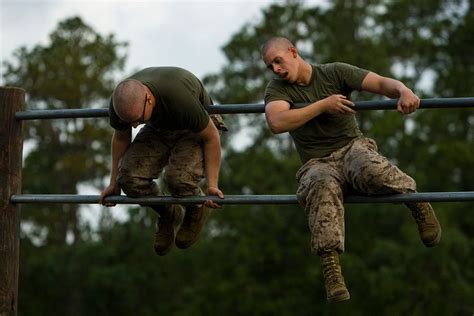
250	260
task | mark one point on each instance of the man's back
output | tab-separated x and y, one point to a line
180	97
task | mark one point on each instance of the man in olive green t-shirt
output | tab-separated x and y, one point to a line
179	136
335	155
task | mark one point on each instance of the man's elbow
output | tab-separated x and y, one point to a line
276	128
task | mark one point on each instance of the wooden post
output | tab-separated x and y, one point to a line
11	147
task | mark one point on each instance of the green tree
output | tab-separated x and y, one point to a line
413	42
75	69
255	259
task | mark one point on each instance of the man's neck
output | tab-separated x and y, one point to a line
305	74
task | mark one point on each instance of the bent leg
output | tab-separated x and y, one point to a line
371	173
185	169
182	177
142	163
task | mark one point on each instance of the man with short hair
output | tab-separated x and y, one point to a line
336	156
179	137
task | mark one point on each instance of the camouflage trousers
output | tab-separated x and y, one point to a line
323	182
178	153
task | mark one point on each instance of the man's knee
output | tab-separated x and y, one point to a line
136	186
128	186
318	187
389	180
326	184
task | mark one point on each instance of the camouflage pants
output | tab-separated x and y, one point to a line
178	153
324	181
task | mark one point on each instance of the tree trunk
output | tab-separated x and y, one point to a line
11	147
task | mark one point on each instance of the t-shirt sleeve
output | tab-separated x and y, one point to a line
114	120
349	76
274	92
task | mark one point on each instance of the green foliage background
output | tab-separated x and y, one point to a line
255	260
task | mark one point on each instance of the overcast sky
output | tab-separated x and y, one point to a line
183	33
189	34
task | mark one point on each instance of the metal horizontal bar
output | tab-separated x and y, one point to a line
61	113
241	199
437	103
248	108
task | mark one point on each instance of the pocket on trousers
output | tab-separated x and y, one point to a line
219	122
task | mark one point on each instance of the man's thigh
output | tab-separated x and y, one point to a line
319	174
185	167
146	156
370	172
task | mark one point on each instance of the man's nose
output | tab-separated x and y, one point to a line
276	69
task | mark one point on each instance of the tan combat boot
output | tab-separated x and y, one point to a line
194	220
167	224
336	290
428	225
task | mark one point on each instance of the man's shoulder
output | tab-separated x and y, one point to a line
333	66
161	71
277	89
276	83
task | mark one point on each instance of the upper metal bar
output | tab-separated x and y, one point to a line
249	108
240	199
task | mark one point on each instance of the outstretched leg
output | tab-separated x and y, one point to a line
371	173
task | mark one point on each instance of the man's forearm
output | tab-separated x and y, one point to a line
119	146
291	119
212	162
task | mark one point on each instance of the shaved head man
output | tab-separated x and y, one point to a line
335	155
280	43
179	138
128	99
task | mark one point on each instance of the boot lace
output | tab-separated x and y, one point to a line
419	212
331	269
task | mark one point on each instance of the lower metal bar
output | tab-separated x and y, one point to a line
240	199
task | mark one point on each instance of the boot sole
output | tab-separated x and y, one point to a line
163	252
184	243
339	298
435	241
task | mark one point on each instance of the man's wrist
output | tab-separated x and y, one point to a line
404	89
113	183
212	187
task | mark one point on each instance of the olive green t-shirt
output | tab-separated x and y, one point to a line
325	133
180	98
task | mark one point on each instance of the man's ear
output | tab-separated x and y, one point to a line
293	51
